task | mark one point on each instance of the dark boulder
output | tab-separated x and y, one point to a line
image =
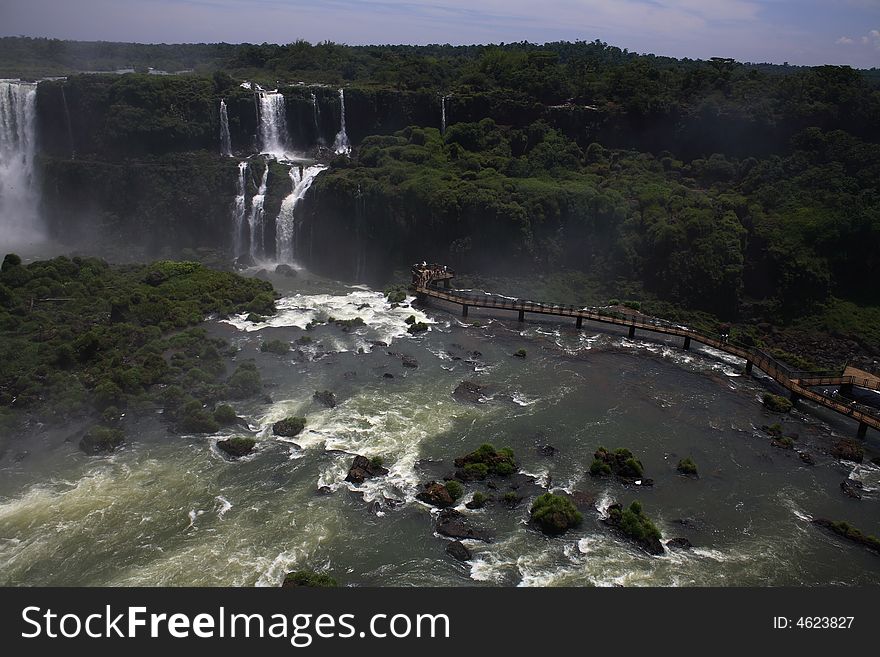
436	494
583	501
469	392
679	544
453	524
236	447
409	361
244	261
285	270
548	450
851	488
101	440
458	550
807	458
848	450
363	468
325	397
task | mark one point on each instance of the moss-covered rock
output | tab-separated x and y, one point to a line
554	514
308	578
636	526
686	466
485	461
279	347
237	446
289	427
776	403
620	462
101	440
225	415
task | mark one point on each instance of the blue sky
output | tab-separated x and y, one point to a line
797	31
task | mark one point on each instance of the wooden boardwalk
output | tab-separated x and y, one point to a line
800	384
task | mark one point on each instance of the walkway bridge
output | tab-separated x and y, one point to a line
427	280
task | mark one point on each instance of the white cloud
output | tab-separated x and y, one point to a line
845	41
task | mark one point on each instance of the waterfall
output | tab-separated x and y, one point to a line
225	139
341	145
316	116
286	225
443	115
255	220
18	203
273	124
239	209
69	124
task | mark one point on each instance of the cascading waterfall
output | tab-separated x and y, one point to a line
225	139
443	115
69	124
286	225
239	209
341	145
316	116
19	216
273	124
255	219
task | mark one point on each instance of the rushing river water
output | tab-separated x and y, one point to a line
168	510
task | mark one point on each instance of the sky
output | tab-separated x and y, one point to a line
808	32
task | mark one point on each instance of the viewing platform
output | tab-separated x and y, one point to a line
427	279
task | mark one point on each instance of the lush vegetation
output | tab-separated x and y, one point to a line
620	462
484	461
776	403
84	339
308	578
686	466
636	526
554	514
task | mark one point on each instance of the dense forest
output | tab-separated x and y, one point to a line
745	191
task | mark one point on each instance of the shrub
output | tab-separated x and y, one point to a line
776	403
476	470
687	466
100	440
196	419
599	468
554	514
418	327
289	427
376	462
635	524
487	460
520	353
308	578
245	382
478	500
396	294
225	415
455	489
410	320
279	347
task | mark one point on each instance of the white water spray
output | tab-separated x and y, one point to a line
443	115
341	145
255	220
286	225
239	209
273	135
225	139
19	217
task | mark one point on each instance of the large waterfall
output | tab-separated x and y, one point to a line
341	145
273	124
239	209
286	224
19	216
255	220
225	139
442	115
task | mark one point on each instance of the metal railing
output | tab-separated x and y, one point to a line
798	382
